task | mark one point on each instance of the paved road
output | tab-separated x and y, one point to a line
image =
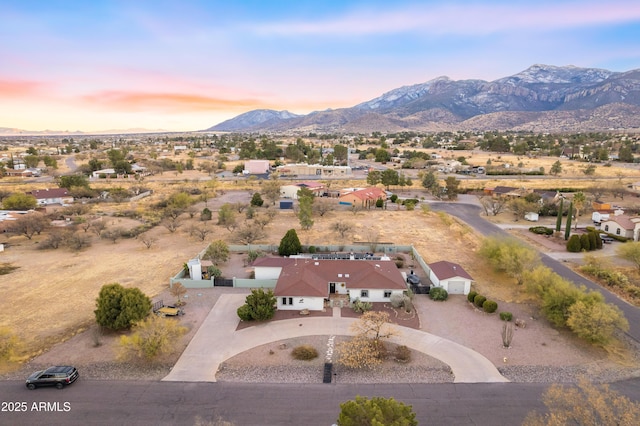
173	403
470	213
217	340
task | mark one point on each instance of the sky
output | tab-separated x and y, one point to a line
188	65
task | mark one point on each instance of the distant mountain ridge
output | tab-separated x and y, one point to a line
540	98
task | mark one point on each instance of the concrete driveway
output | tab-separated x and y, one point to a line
217	340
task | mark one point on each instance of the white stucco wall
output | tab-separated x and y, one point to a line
267	272
374	295
300	303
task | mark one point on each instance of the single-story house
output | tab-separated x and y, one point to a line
622	225
291	191
450	276
46	197
305	283
365	197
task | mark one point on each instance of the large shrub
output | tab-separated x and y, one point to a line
541	230
573	244
119	308
438	294
289	244
479	300
585	243
403	354
260	305
489	306
472	294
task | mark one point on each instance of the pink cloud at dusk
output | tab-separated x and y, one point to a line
21	88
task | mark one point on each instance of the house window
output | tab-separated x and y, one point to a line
364	293
606	228
618	231
387	293
287	299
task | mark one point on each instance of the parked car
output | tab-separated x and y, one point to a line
58	376
606	239
413	279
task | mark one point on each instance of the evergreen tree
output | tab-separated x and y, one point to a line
289	244
118	308
567	231
559	219
306	212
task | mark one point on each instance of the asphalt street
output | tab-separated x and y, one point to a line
470	214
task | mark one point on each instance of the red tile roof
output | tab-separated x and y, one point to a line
445	270
311	278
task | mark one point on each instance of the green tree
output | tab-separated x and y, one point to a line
256	200
271	190
592	319
179	200
259	306
556	168
559	218
382	155
71	181
510	256
217	252
630	251
451	185
19	201
567	231
376	411
374	177
289	244
118	308
340	152
305	212
579	201
227	217
389	177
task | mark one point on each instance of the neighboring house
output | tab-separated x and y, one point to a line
256	167
47	197
366	197
313	170
622	225
305	283
450	276
291	191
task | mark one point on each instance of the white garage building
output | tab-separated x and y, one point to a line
450	276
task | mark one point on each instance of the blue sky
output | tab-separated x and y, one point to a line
97	65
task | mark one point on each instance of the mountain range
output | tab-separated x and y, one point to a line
542	98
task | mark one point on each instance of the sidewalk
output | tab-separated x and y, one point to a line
217	340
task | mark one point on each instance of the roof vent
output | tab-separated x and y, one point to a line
317	263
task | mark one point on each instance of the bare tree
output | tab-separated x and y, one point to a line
356	208
78	241
323	206
112	234
97	226
178	290
250	233
342	228
240	206
492	206
172	224
148	240
200	231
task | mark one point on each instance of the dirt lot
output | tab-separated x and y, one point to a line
54	291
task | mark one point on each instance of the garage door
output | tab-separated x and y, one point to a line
456	287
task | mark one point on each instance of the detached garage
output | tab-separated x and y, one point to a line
450	276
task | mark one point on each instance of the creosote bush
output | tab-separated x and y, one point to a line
403	354
304	352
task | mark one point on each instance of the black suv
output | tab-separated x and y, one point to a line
53	376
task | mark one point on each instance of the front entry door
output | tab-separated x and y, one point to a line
332	288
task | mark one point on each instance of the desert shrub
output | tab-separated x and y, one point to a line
403	354
244	313
360	307
438	294
472	295
304	353
397	300
489	306
479	300
573	244
151	337
381	349
541	230
394	198
399	260
312	249
506	316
